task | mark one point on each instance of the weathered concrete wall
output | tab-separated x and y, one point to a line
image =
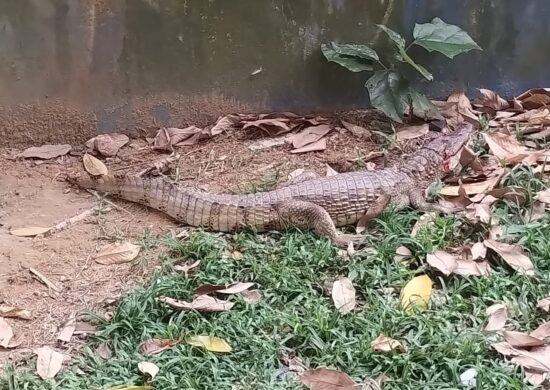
71	68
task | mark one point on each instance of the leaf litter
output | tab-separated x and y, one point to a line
343	295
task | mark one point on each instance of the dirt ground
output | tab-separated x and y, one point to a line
34	193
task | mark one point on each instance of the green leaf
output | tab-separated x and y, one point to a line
356	58
447	39
388	92
422	106
398	39
402	55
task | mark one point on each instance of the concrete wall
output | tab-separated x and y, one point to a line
72	68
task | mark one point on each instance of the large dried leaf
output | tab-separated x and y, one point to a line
317	146
167	138
117	253
29	231
48	362
386	344
224	123
412	132
479	251
46	152
6	333
542	332
93	166
152	346
492	100
515	194
442	261
15	312
472	188
535	98
416	293
201	303
505	146
108	144
521	340
472	268
537	358
343	295
310	135
469	158
513	255
539	116
210	343
497	315
327	379
148	368
272	127
402	253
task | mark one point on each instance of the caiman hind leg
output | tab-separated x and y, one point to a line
308	215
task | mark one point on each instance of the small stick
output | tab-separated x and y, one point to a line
77	218
109	202
45	280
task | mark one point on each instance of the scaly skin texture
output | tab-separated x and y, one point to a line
320	204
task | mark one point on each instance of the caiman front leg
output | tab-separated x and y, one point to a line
308	215
418	201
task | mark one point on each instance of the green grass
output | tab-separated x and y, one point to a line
296	314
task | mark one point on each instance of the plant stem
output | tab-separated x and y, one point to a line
382	64
409	46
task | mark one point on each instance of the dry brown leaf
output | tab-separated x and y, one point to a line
6	333
472	268
543	196
535	98
29	231
544	304
48	363
310	135
327	379
539	116
357	131
402	253
495	232
317	146
201	303
513	255
480	212
442	261
412	132
148	368
330	171
251	296
479	251
224	123
537	359
515	194
492	100
535	378
67	329
521	340
423	221
152	346
117	253
469	158
108	144
343	295
15	312
167	138
103	351
507	148
542	332
42	278
93	166
386	344
187	268
497	316
46	152
472	188
272	127
236	288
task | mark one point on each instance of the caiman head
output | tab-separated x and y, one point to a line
435	155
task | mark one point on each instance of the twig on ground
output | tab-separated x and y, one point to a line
45	280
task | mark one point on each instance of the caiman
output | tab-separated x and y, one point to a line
320	204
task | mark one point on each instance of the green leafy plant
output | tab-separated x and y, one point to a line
388	89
